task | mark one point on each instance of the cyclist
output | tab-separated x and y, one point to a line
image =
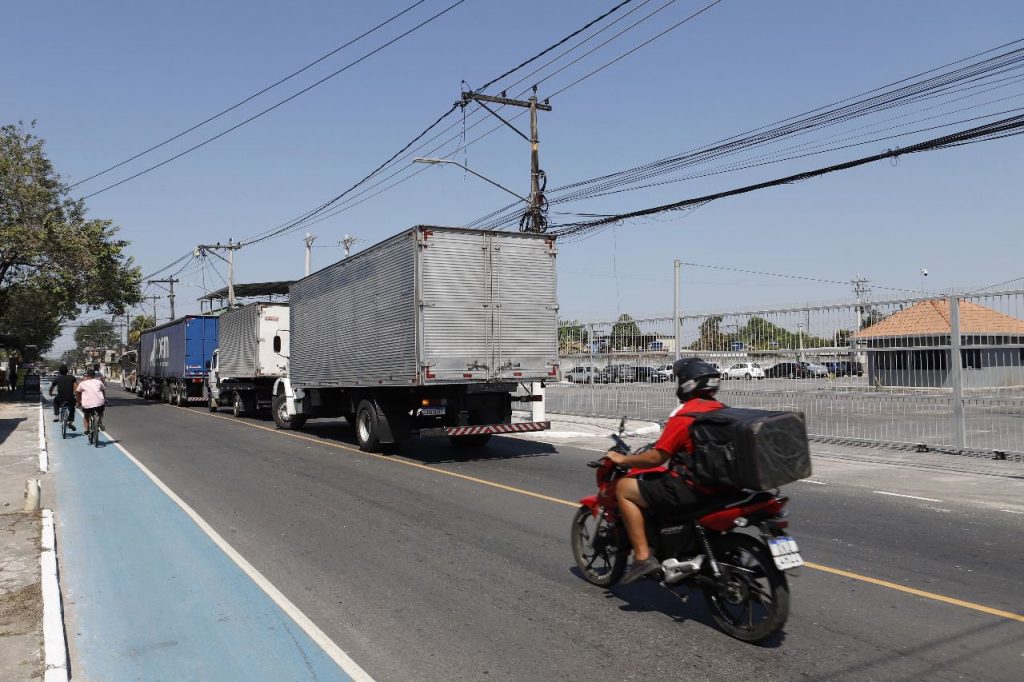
65	386
92	395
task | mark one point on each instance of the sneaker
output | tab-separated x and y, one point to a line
639	569
72	427
56	419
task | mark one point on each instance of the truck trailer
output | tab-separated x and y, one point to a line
428	333
252	353
174	358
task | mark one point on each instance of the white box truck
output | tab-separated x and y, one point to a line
430	332
251	355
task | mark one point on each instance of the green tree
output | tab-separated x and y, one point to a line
625	333
142	322
96	335
711	336
50	253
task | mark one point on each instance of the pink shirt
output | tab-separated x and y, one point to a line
92	393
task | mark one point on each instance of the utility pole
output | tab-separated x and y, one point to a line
170	281
675	309
347	243
230	248
534	220
310	238
154	299
860	290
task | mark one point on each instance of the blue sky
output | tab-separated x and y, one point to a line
105	80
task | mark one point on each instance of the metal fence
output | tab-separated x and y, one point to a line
878	372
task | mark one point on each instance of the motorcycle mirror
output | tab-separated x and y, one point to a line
622	425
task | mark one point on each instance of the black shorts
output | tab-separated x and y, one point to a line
89	411
667	495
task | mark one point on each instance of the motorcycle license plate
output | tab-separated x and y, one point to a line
785	553
432	411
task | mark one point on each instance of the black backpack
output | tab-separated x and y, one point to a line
752	449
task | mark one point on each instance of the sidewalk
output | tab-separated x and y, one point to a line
21	605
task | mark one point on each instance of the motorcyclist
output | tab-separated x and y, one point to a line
64	385
698	383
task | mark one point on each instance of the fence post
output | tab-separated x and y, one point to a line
956	374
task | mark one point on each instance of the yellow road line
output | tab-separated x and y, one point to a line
919	593
501	486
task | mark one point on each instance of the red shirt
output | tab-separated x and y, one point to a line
675	439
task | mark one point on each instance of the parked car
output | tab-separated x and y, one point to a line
616	374
786	370
665	371
581	375
815	370
744	370
843	368
649	374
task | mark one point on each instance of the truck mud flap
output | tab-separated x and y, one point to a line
521	427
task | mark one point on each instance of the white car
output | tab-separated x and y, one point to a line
744	370
665	371
581	375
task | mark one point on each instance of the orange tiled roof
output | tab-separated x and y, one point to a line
932	317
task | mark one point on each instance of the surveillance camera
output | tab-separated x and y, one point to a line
924	272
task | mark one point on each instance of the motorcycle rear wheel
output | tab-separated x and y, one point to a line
752	604
599	548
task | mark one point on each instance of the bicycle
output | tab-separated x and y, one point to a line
93	427
65	413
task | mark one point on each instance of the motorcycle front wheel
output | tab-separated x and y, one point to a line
752	601
599	548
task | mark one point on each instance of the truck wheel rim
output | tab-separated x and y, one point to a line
282	412
363	426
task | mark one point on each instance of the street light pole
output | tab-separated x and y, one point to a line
472	172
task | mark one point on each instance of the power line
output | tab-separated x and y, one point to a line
284	101
991	131
252	96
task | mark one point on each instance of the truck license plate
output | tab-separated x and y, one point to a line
785	553
432	411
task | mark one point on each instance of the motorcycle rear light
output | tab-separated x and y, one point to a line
779	523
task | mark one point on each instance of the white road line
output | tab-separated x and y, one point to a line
302	620
1011	511
912	497
44	458
808	480
53	621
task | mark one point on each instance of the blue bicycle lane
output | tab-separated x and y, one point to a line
149	594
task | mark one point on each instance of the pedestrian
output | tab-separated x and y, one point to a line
12	377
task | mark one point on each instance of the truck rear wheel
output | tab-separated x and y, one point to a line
281	418
211	402
477	440
238	405
367	427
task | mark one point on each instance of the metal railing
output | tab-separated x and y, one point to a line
874	372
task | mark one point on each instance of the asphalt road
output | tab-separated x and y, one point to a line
845	408
420	568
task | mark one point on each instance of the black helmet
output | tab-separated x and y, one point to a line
697	379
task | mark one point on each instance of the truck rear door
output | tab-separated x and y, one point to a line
526	307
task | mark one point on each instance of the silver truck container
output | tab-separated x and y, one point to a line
253	341
431	305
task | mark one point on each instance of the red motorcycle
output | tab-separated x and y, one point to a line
742	576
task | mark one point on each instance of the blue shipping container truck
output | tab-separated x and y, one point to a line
174	358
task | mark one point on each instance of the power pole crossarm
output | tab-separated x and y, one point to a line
230	247
170	282
535	218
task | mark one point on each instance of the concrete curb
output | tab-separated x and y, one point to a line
54	643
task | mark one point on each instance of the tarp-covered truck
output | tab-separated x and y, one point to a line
252	353
174	358
430	332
